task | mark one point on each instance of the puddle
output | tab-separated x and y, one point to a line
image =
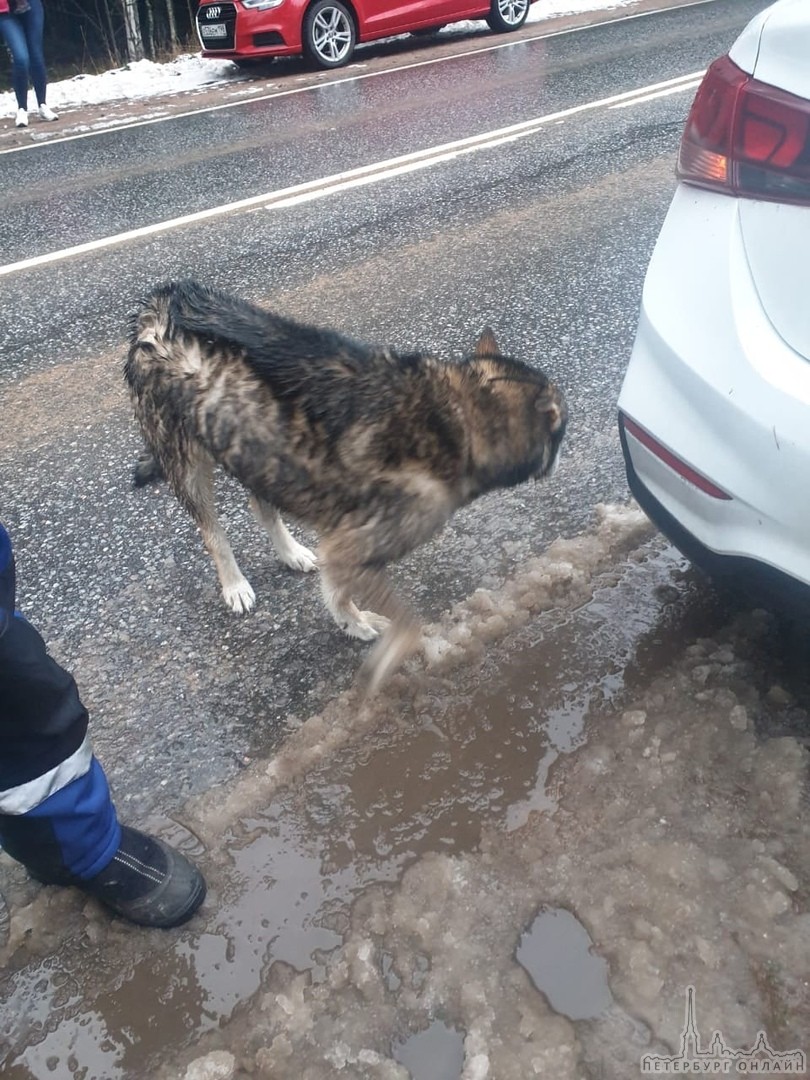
556	951
437	1053
469	752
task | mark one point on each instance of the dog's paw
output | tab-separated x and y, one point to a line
301	558
239	597
368	627
387	656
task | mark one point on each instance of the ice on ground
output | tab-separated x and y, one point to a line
680	844
375	908
562	577
218	1065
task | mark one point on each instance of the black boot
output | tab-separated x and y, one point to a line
147	882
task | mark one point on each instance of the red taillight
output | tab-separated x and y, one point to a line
747	138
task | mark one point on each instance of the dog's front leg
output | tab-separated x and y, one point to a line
337	595
340	557
397	629
401	637
237	591
399	641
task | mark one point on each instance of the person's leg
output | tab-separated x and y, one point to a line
56	814
33	23
14	36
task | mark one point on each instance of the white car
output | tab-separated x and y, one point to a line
714	412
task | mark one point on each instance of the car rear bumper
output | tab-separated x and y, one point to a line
763	584
721	392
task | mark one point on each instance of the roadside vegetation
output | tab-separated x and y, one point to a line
95	35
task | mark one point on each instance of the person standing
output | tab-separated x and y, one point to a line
21	26
57	816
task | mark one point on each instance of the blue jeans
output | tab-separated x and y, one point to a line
23	37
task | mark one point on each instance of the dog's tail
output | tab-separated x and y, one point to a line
147	359
147	469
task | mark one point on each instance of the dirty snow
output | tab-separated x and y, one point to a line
144	79
376	911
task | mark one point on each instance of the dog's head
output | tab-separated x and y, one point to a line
529	404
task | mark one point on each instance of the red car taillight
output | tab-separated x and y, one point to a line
747	138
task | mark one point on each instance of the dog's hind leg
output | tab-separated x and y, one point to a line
195	488
289	551
147	468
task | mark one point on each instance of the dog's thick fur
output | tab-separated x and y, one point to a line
372	448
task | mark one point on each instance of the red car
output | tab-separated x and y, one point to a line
326	31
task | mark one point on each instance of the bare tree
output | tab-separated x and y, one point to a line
172	21
87	30
132	23
150	37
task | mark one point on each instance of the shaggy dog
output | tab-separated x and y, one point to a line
372	448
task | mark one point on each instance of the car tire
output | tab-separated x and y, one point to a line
507	15
329	34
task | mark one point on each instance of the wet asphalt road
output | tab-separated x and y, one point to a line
546	238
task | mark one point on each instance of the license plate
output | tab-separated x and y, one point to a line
213	30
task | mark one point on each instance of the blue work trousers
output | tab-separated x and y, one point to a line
56	813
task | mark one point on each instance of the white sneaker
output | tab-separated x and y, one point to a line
22	118
47	113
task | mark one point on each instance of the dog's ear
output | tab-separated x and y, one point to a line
486	344
547	403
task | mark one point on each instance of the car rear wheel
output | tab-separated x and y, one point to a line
506	15
329	34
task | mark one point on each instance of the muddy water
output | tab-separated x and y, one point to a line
329	943
477	749
557	952
432	1054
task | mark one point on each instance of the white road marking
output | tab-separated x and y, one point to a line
438	154
365	174
513	42
689	84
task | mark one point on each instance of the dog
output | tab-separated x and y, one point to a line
374	449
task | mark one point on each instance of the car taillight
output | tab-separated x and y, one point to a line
747	138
